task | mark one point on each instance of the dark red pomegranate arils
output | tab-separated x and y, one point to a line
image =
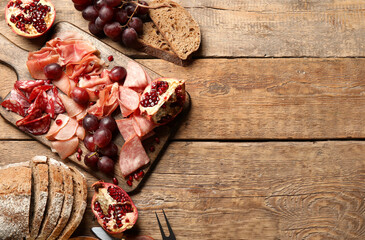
129	183
152	149
157	140
115	181
110	58
58	122
157	89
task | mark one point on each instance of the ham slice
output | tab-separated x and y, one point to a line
55	128
132	156
68	131
81	115
63	84
65	148
80	132
39	59
142	125
72	108
90	64
95	80
126	128
128	100
136	76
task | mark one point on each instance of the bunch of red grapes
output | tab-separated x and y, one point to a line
98	141
120	20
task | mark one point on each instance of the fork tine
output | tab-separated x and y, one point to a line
172	235
161	230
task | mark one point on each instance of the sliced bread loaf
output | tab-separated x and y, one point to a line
39	194
55	199
177	27
15	195
67	202
79	204
154	44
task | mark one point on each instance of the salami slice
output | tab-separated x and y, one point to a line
30	117
58	105
37	90
28	85
142	125
39	103
126	128
14	106
132	156
37	126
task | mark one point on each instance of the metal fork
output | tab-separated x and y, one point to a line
171	233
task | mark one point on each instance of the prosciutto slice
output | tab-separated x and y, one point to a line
132	156
90	64
95	80
142	125
126	128
39	59
65	148
136	76
68	131
72	108
128	100
55	128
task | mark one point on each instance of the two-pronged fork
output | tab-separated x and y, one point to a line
171	233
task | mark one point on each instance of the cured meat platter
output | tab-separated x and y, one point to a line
16	57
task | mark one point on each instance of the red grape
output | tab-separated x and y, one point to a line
90	13
108	123
110	150
81	2
90	123
106	13
91	160
137	24
80	95
53	71
113	30
106	165
142	10
95	30
113	3
121	16
130	9
102	137
99	23
129	37
80	7
118	74
89	142
99	4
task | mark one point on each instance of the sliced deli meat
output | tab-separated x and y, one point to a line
39	59
136	76
142	125
128	100
37	126
58	124
80	132
90	64
132	156
28	85
126	128
63	84
95	80
65	148
68	131
72	108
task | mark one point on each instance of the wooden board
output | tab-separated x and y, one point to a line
17	58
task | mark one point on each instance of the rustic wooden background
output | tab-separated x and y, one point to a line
273	147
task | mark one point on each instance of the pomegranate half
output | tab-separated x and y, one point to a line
113	208
163	99
30	18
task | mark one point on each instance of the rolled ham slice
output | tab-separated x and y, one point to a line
72	108
56	128
136	76
132	156
128	100
65	148
126	128
68	131
142	125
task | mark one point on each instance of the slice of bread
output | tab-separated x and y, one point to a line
177	27
39	194
67	202
79	205
154	44
55	199
15	195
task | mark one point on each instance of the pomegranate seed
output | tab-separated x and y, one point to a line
115	181
58	122
152	149
141	174
157	140
79	150
78	156
129	183
110	58
135	176
87	77
130	178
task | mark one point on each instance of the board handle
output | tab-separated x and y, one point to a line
14	56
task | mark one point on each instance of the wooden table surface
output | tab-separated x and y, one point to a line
273	147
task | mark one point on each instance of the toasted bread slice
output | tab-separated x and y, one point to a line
39	194
177	27
55	199
15	195
67	202
79	205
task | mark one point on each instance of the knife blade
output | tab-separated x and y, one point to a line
101	234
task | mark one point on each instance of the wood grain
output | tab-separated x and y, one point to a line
261	28
276	190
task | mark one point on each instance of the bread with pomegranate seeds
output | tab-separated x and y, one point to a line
177	27
67	202
55	199
39	194
79	204
15	195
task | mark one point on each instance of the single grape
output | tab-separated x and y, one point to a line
81	2
91	160
102	137
113	30
106	165
90	13
137	24
121	16
89	142
110	150
80	95
130	9
113	3
95	30
108	123
99	23
98	4
129	37
142	10
53	71
80	7
90	123
106	13
118	74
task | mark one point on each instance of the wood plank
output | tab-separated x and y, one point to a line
262	28
264	98
272	190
